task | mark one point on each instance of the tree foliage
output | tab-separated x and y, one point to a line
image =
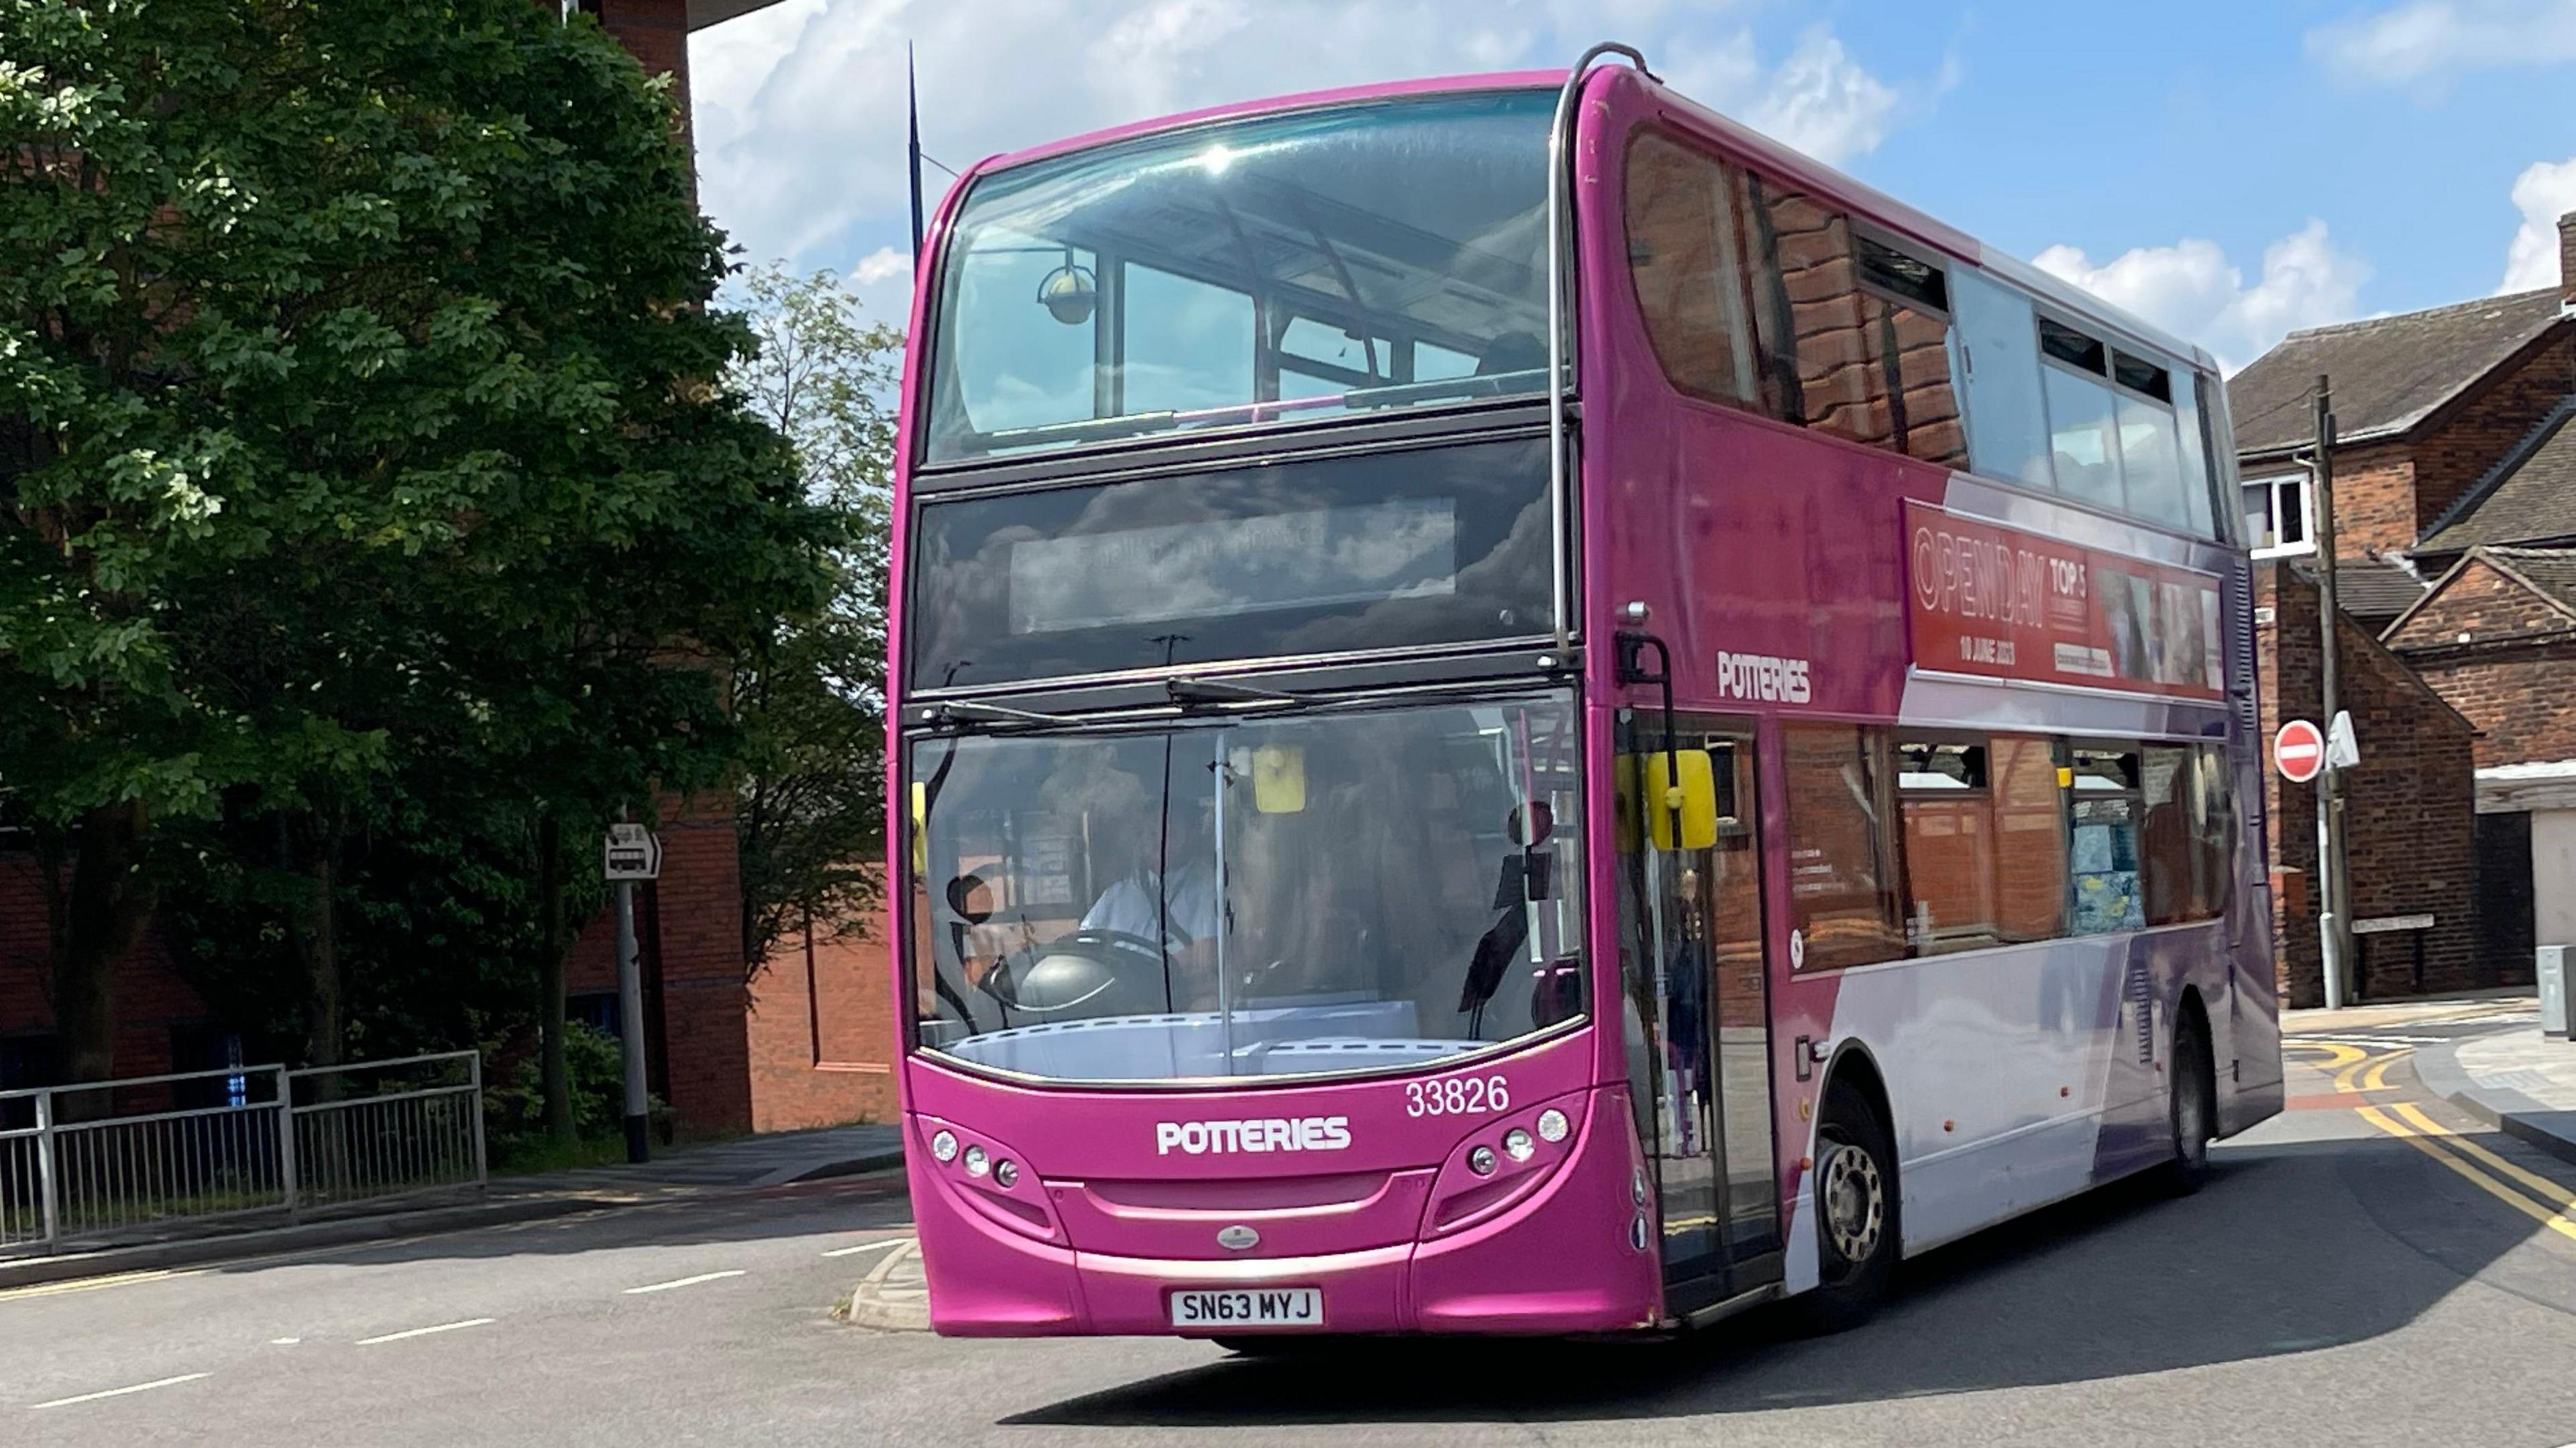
810	810
370	520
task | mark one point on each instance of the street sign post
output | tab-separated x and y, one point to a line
2299	751
631	853
2343	751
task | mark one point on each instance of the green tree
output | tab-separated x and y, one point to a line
810	809
363	464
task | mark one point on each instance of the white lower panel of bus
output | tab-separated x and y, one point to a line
1231	1308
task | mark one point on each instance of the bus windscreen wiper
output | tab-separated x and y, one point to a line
954	711
1087	429
1186	689
1492	384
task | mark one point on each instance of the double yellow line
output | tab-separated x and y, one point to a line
2354	1068
2357	1071
2556	1207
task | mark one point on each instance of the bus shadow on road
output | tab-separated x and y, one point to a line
2283	1252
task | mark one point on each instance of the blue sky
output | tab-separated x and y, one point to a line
2231	171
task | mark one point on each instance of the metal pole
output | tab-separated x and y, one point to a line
286	1141
48	1192
2334	912
630	1023
474	1075
1560	349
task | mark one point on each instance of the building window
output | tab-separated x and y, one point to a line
2277	521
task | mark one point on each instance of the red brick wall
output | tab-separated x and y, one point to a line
151	999
705	1000
2462	447
822	1031
657	32
2375	503
2514	676
2409	812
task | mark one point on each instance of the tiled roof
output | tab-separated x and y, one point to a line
2389	373
2530	496
2373	590
2551	570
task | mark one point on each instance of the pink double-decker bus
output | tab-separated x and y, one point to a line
1517	710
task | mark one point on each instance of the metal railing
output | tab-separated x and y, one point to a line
157	1156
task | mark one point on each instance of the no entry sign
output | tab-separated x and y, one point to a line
2299	751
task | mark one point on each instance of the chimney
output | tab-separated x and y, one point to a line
2567	261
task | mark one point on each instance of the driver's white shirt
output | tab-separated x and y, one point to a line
1129	907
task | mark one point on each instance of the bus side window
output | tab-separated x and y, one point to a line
1844	895
1852	331
2186	833
2103	808
1998	336
1681	261
1985	842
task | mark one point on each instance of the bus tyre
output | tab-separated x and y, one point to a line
2193	1109
1856	1212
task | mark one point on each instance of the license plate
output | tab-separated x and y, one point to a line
1231	1309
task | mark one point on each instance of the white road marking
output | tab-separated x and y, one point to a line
684	1281
866	1247
121	1392
284	1341
425	1331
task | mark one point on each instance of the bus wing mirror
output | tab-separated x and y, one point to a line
1279	779
1681	798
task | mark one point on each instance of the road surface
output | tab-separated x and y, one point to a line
2350	1277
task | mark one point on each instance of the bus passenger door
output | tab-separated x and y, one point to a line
1691	912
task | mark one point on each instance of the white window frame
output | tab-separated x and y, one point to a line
2307	543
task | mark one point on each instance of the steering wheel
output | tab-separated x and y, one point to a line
1091	972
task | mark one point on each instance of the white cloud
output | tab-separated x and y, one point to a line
1823	103
799	109
2191	289
880	265
2424	44
2544	192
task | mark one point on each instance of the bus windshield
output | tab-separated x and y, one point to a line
1325	892
1350	259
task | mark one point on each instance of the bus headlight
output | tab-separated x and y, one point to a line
976	1162
944	1146
1552	1126
1517	1144
1481	1161
1006	1171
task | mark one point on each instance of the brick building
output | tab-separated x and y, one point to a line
729	1049
2455	521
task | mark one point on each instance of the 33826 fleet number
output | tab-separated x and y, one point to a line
1457	1096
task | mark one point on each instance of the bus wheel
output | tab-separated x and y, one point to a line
2192	1113
1856	1212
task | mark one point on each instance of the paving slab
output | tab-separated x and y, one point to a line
2519	1081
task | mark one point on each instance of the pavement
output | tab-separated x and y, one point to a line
742	1164
2515	1079
2374	1266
